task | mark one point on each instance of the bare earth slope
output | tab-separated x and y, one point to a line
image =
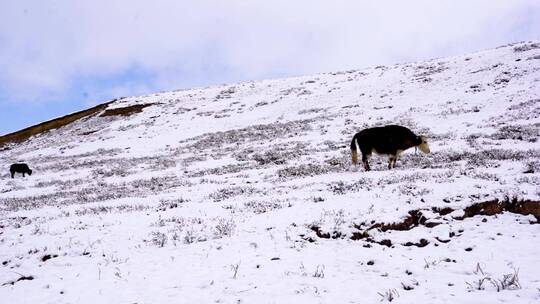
245	193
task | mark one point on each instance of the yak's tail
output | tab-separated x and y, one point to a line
354	151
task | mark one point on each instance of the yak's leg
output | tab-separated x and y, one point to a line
23	174
396	158
392	161
12	174
365	160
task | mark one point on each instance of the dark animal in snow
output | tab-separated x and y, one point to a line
19	168
390	140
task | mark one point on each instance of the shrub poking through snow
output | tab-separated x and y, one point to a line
229	192
225	227
304	170
507	282
190	230
389	295
517	132
158	238
259	207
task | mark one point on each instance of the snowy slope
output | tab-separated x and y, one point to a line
245	193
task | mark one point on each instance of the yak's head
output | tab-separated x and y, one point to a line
423	145
29	172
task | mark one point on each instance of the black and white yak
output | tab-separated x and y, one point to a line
390	140
19	168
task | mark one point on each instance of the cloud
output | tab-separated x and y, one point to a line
50	48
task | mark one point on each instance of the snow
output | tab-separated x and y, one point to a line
215	195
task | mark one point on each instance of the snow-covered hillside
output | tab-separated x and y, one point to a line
245	193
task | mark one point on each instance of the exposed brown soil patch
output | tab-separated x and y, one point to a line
359	235
89	132
421	243
22	278
48	257
442	240
514	205
442	211
126	111
524	207
366	237
327	235
56	123
385	242
415	218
